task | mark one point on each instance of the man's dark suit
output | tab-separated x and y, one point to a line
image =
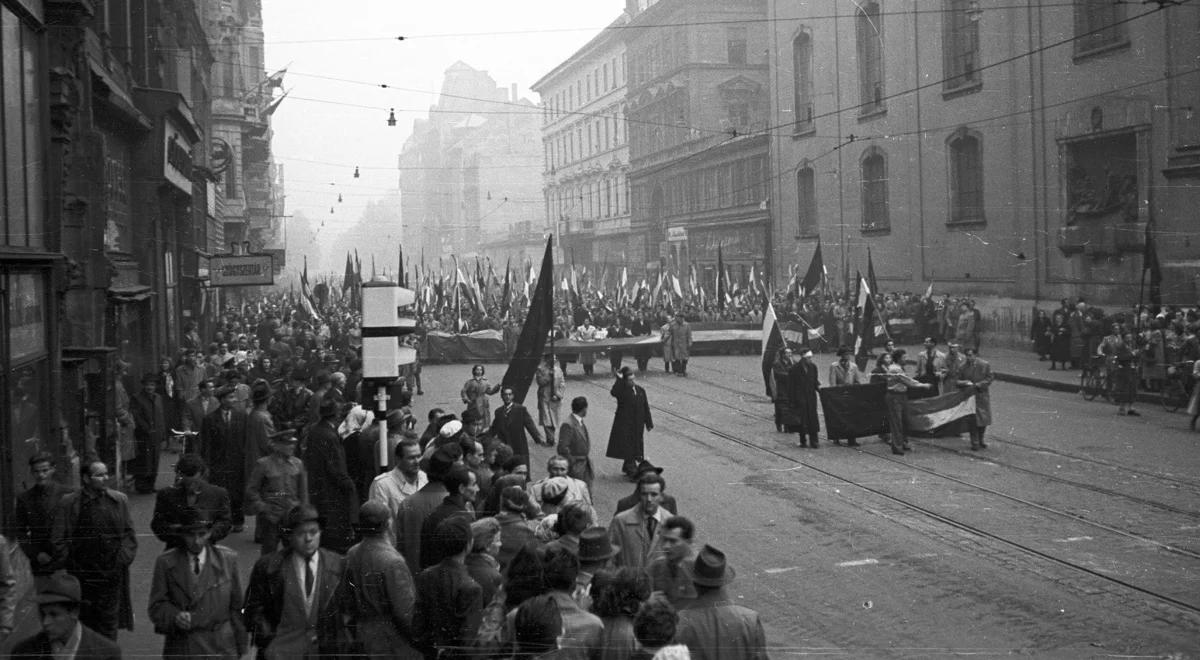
265	605
510	425
150	427
34	520
223	448
92	646
330	488
211	501
195	410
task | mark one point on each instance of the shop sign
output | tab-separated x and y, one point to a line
247	270
26	315
677	234
177	157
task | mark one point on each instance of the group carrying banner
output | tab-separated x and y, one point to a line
857	411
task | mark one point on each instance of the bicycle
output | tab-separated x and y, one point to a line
1174	394
1094	381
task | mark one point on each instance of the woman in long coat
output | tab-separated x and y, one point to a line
630	422
475	392
1060	341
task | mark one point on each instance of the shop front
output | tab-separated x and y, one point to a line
741	247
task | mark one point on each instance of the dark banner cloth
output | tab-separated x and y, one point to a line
854	411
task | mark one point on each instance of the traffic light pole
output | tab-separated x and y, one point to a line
383	354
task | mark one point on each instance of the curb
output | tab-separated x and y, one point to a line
1072	388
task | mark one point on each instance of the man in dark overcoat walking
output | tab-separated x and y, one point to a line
223	448
330	488
150	428
632	419
803	383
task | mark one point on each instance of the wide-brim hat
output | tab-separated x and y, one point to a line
710	569
594	545
60	587
260	391
149	377
844	350
224	391
286	435
192	520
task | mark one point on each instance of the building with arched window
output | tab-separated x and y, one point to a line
1013	154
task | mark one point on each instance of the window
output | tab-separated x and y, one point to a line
806	201
738	111
229	69
606	82
960	45
874	190
802	81
966	177
735	45
869	37
1095	25
22	221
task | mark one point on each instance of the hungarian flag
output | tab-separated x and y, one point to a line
934	412
306	302
772	342
869	329
538	324
815	275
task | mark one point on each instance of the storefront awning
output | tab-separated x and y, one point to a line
129	294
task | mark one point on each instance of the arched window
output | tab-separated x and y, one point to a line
966	177
868	29
874	190
806	201
960	45
802	81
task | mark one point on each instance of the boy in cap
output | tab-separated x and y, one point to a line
58	602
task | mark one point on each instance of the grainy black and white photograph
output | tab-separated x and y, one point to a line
599	329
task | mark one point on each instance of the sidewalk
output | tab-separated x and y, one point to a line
1023	368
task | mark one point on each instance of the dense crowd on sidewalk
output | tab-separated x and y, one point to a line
460	548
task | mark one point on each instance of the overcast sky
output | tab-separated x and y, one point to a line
329	47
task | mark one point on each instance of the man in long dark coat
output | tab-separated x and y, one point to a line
223	447
150	428
803	383
330	488
632	419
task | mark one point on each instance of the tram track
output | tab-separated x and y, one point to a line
956	522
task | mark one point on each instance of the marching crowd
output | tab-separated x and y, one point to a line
458	550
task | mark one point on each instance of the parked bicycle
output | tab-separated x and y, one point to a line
1176	390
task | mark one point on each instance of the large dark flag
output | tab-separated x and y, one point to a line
538	323
1150	263
871	273
506	294
772	342
348	276
816	273
854	411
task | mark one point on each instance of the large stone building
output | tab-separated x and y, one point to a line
1013	154
698	104
469	178
586	152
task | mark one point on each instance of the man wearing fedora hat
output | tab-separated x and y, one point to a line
223	448
196	595
150	428
293	600
331	489
58	601
377	588
712	626
596	551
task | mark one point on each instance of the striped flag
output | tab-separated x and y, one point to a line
933	412
772	341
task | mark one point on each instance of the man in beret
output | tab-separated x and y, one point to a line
330	487
150	428
377	588
190	492
293	601
576	490
223	448
196	595
58	601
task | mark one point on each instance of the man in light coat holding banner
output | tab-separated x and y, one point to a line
975	375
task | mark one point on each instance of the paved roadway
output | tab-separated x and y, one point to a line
1073	535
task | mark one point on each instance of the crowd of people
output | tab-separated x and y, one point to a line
454	549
